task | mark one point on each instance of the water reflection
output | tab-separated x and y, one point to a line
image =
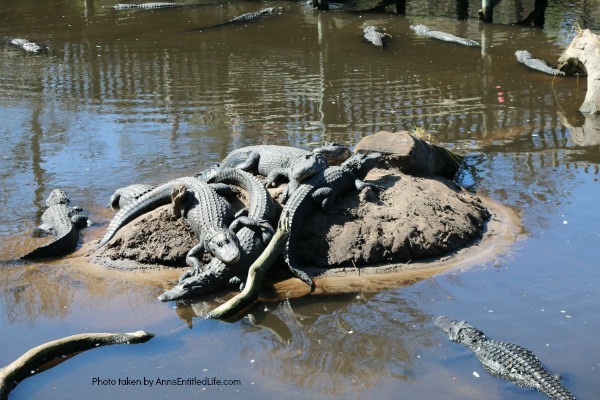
335	346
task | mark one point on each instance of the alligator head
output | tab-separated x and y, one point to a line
223	244
461	332
361	163
420	29
308	165
335	153
57	196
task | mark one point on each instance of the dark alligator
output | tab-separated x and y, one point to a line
153	5
61	221
291	163
505	360
375	36
254	233
27	45
251	16
321	190
207	213
526	58
446	37
123	196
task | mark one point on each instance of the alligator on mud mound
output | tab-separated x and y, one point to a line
208	214
253	234
505	360
61	221
446	37
526	58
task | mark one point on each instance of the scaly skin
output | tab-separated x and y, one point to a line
505	360
526	58
277	162
123	196
253	237
61	221
321	190
446	37
208	214
373	35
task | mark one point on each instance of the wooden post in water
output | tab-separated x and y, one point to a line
486	14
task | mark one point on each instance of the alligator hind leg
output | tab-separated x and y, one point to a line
251	163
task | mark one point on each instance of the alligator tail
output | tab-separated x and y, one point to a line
62	245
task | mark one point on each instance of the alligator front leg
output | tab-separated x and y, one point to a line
193	260
275	176
251	163
360	185
264	227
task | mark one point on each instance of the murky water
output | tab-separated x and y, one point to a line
139	96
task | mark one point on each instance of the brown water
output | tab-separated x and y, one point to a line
134	96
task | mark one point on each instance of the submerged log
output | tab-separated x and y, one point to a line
583	57
60	349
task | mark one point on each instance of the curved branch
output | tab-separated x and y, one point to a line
37	357
257	270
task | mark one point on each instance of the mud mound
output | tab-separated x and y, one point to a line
155	238
413	218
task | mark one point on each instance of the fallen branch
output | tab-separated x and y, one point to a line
257	271
37	357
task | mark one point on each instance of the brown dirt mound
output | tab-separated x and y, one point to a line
413	218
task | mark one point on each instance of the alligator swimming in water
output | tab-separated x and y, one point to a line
153	6
61	221
290	163
27	45
526	58
123	196
375	36
207	213
505	360
254	233
251	16
446	37
321	190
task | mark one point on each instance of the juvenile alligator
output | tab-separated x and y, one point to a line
505	360
373	35
207	213
525	57
254	233
153	5
61	221
291	163
446	37
251	16
321	190
123	196
27	45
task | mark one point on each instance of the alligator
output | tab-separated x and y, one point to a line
251	16
321	189
61	221
253	233
291	163
446	37
373	35
505	360
123	196
207	213
526	58
27	45
153	6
